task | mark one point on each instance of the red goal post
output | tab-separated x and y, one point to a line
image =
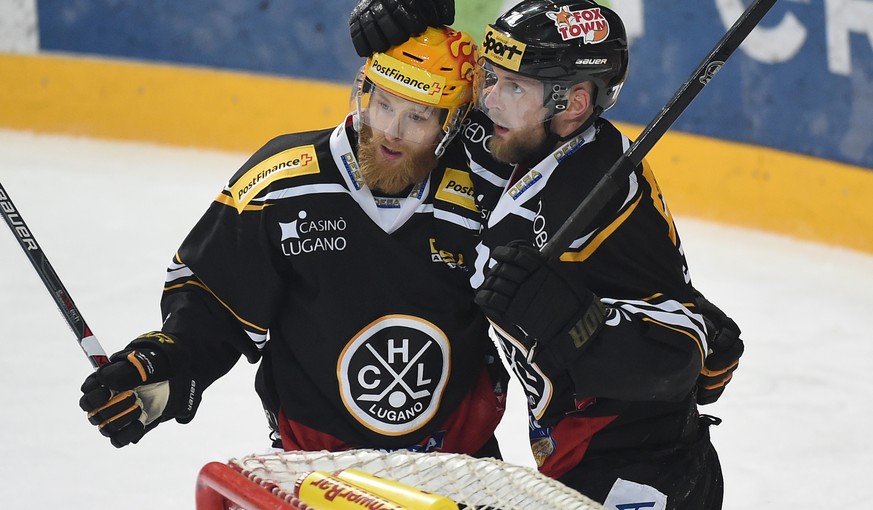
259	482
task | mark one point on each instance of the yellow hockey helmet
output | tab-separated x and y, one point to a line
434	69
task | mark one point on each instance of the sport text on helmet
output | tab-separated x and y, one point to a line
562	41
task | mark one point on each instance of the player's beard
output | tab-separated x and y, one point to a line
517	145
393	175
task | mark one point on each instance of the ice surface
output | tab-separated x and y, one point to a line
110	215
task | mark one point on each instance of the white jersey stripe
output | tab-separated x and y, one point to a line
669	312
177	273
296	191
457	219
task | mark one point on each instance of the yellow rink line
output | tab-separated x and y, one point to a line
727	182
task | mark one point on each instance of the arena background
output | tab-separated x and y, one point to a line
781	140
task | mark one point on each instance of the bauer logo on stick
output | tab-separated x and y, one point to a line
15	223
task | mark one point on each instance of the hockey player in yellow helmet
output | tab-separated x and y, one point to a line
339	260
409	104
431	77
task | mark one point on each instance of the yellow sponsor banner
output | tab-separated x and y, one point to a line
457	188
288	163
161	103
767	189
728	182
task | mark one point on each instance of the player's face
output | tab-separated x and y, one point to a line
397	142
515	104
402	121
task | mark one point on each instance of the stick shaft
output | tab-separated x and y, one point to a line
46	272
610	183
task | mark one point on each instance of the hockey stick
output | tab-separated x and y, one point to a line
610	183
46	272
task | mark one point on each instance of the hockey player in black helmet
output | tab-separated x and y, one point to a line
614	346
553	48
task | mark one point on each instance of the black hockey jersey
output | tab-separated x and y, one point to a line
360	305
632	387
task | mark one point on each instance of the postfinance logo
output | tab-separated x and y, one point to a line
391	74
288	163
393	373
457	188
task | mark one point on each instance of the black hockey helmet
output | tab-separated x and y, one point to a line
564	42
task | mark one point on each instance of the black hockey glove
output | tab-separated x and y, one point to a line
141	386
524	290
726	347
376	25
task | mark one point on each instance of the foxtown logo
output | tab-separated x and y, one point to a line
588	24
308	236
392	374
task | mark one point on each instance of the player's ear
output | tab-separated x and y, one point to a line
579	100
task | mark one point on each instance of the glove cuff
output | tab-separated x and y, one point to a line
169	346
588	324
575	338
184	391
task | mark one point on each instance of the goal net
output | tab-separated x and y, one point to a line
273	481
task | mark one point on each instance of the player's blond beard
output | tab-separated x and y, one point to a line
393	176
519	146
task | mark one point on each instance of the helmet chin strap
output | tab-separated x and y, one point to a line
585	125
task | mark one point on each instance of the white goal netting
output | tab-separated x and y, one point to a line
472	483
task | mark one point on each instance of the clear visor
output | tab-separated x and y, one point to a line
512	100
399	118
